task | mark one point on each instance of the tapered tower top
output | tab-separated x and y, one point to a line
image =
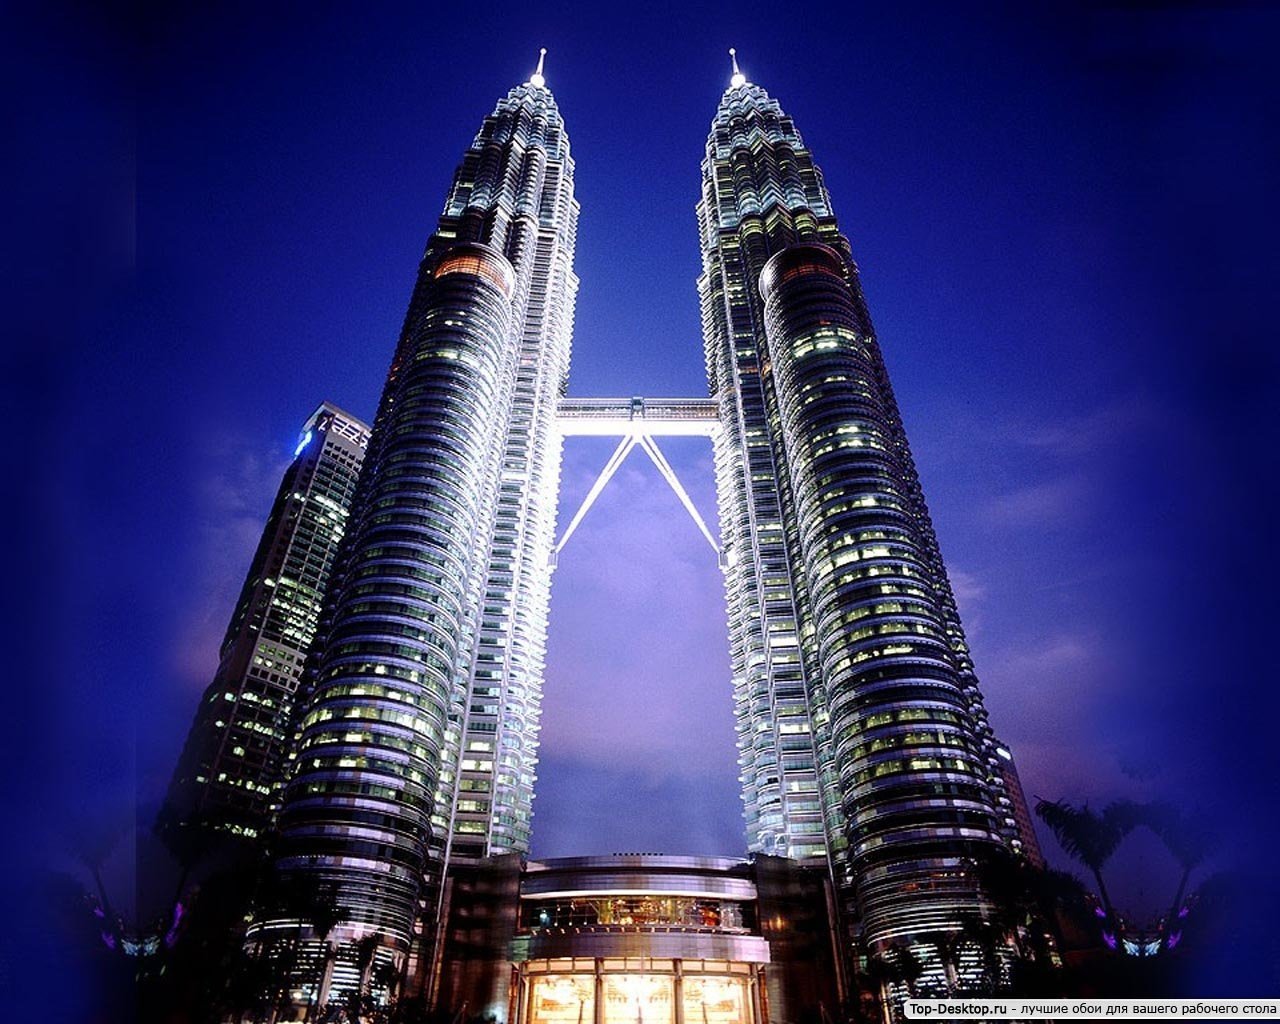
536	78
738	79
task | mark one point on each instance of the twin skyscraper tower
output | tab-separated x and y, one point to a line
863	742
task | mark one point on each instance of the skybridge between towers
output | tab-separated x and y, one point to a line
636	422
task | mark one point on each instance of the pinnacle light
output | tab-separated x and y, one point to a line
738	79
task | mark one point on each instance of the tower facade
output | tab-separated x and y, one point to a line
863	742
419	739
862	734
229	776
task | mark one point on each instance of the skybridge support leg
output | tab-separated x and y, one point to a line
606	474
664	467
619	455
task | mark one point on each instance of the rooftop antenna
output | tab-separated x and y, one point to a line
536	78
738	78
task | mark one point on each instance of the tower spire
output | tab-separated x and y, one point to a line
738	77
536	78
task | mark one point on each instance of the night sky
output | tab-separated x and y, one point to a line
1063	219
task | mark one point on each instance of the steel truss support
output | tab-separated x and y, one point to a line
650	448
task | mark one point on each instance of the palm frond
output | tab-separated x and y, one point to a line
1085	835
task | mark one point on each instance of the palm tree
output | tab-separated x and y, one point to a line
949	946
1007	884
1090	838
892	967
324	915
988	935
93	849
310	905
1188	843
385	977
248	987
1025	901
366	949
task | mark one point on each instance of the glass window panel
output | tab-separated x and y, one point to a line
562	999
712	1000
638	999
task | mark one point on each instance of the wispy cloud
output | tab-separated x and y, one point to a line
1097	429
967	587
1042	504
970	593
235	497
1051	658
594	807
1052	699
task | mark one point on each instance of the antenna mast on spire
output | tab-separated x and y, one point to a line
536	78
738	77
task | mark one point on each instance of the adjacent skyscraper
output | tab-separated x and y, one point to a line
420	737
231	770
861	730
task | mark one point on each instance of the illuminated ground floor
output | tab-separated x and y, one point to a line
638	990
639	939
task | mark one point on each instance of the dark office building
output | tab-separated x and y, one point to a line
229	777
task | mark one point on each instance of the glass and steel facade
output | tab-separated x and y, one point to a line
419	739
862	734
229	776
865	756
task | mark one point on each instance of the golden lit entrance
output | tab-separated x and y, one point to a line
637	990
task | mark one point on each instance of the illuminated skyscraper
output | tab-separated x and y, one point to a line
420	738
863	741
862	735
231	770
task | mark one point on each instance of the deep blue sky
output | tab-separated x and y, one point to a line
1063	219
